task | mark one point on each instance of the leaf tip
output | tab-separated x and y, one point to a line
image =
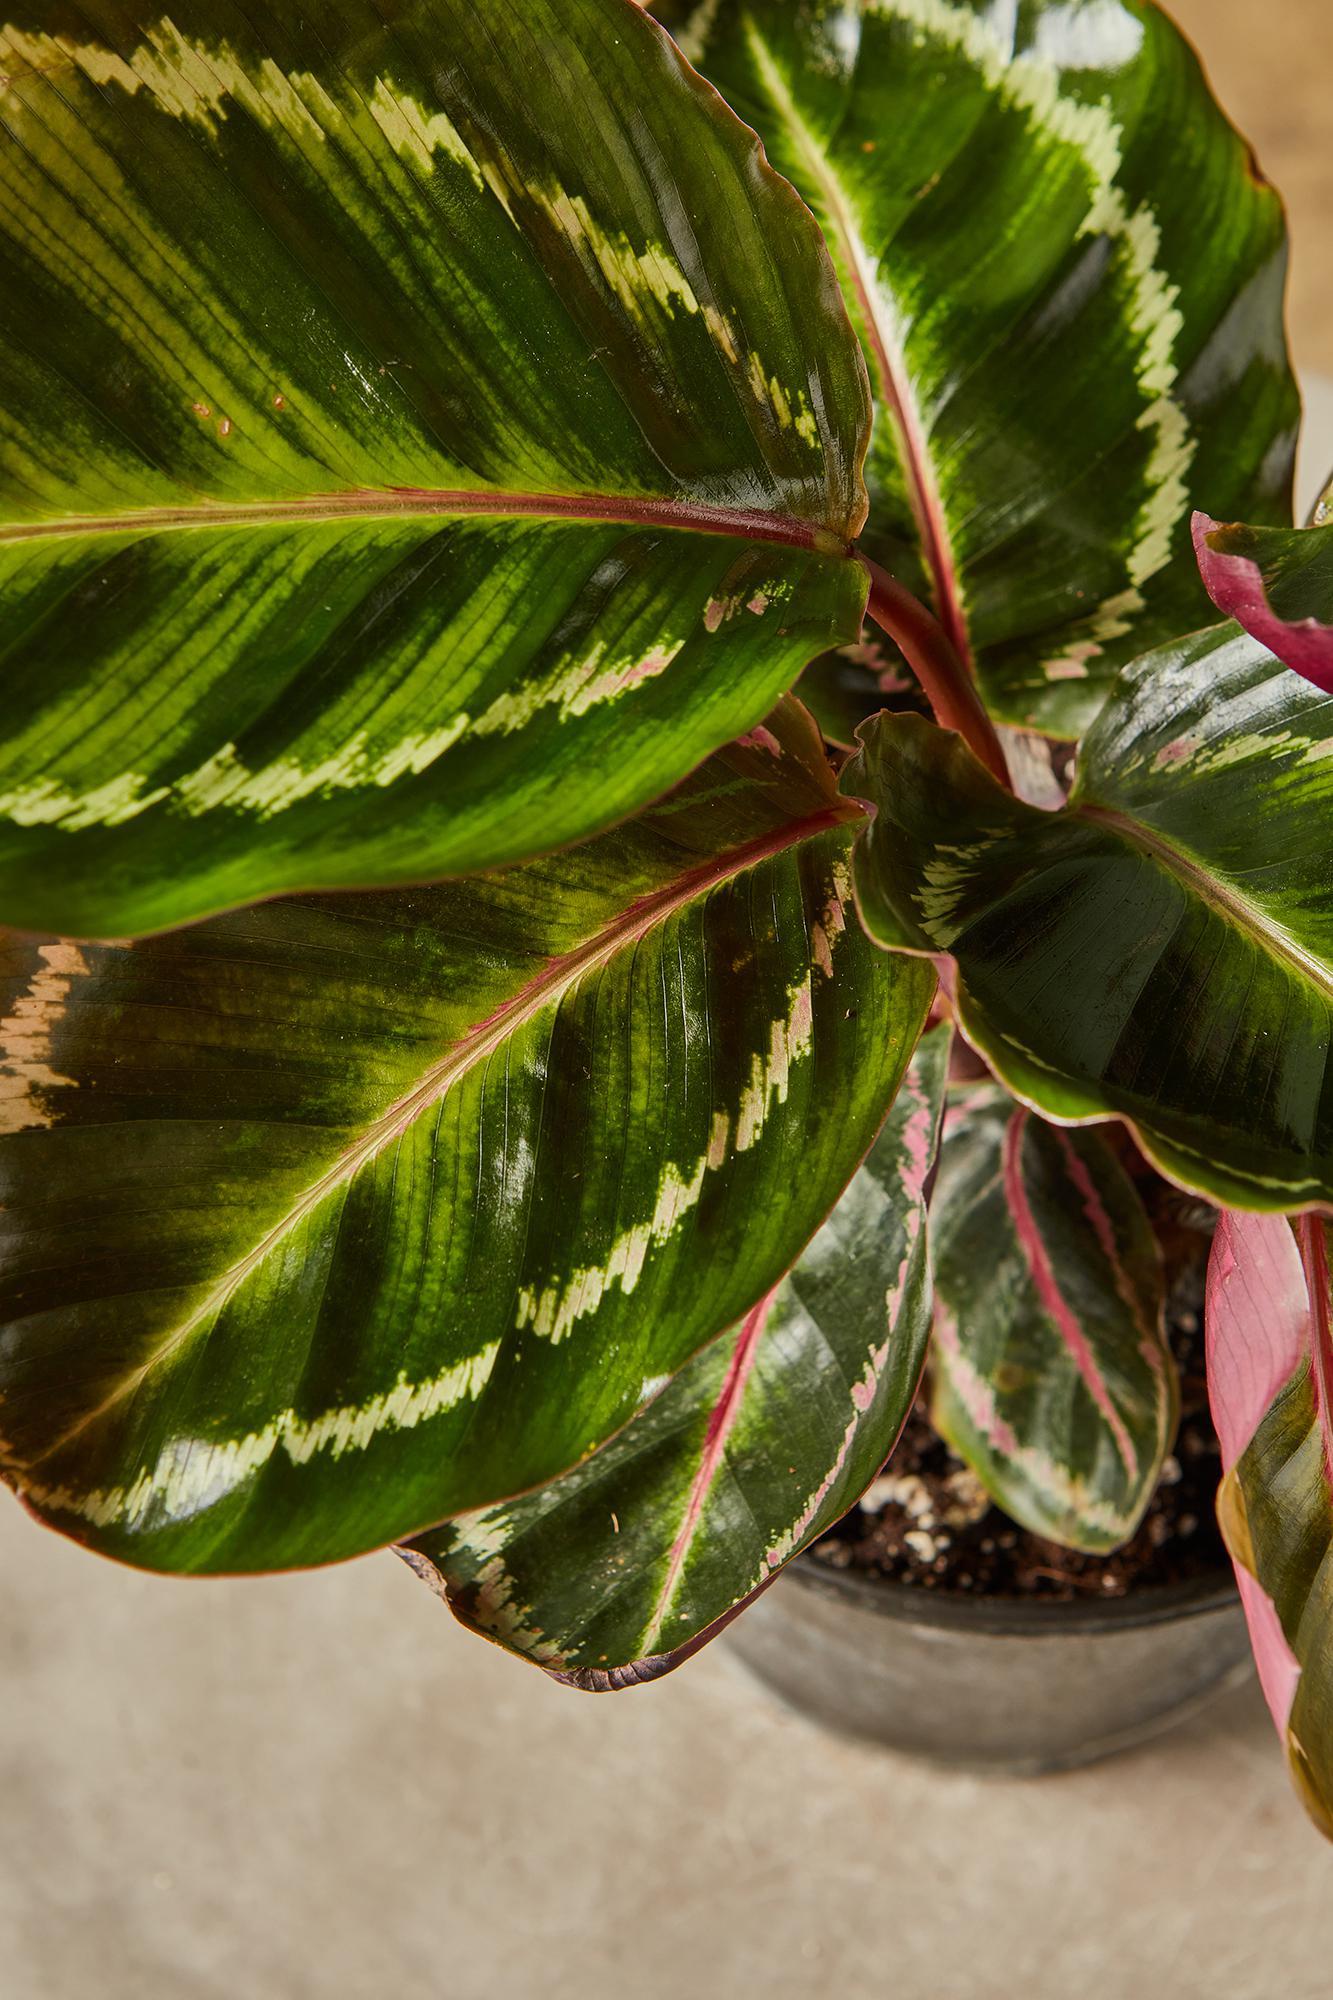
1318	1807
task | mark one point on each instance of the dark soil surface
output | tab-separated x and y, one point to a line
927	1522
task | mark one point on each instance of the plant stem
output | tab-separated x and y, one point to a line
945	681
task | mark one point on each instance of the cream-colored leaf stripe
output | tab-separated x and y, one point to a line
616	1572
192	1474
358	764
197	82
551	1315
25	1038
556	1309
1031	82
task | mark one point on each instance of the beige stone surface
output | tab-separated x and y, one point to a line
318	1788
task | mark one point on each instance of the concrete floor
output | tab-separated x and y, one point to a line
320	1786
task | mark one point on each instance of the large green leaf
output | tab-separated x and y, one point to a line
428	432
1068	279
626	1566
1270	1383
328	1219
1163	948
1051	1372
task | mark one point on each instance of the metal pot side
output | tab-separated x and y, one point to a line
986	1685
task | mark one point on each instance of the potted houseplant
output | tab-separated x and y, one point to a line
468	1079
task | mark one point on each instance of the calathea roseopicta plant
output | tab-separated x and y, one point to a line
467	1075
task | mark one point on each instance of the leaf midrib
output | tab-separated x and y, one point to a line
786	530
722	1420
1036	1253
475	1045
890	362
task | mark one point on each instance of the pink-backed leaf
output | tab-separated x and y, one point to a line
1278	584
626	1566
1258	1323
1258	1330
1270	1371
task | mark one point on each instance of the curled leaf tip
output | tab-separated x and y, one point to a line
1276	583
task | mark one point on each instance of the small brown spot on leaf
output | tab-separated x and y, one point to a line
224	428
201	409
279	401
1253	169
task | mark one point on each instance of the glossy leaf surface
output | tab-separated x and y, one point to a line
1270	1383
331	1218
410	464
1162	949
1050	1368
1278	584
1068	281
615	1573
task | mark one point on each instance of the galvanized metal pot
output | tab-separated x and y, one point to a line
988	1684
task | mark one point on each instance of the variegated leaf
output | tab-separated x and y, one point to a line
429	432
1270	1382
327	1219
1162	949
617	1572
1278	584
1051	1373
1068	279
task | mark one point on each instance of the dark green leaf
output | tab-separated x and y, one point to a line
615	1573
844	689
328	1219
412	461
1161	950
1051	1372
1068	280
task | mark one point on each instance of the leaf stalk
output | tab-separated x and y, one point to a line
929	652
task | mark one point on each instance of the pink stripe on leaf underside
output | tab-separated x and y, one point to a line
1053	1300
863	1397
721	1424
918	1141
973	1391
1094	1208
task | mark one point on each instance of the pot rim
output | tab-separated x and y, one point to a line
1009	1617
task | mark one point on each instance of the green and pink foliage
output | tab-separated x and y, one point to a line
462	1076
